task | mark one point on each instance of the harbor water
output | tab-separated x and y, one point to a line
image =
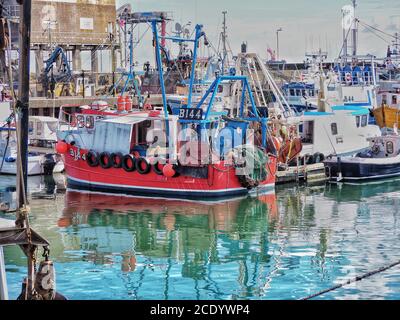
286	245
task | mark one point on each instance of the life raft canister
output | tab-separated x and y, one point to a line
121	104
92	159
142	165
129	163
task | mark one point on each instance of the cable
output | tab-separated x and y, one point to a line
376	29
356	279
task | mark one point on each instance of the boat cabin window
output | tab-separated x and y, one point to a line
364	120
358	121
306	131
334	129
80	119
298	92
292	92
394	99
384	99
389	147
89	122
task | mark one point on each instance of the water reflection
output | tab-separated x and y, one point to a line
166	233
279	246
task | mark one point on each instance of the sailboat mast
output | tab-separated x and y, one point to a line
23	99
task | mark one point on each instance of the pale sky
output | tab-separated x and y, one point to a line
307	24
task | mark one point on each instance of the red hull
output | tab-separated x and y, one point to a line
220	183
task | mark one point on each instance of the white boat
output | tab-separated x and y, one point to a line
343	131
38	163
380	160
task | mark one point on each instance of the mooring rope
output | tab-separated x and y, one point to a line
356	279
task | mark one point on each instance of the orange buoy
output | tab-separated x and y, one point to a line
128	104
168	170
277	143
61	147
121	103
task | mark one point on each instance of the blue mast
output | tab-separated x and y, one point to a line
199	33
161	75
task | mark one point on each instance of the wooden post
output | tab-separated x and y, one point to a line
3	279
23	97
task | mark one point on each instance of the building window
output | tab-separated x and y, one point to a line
364	120
334	129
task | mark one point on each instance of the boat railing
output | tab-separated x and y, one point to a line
64	119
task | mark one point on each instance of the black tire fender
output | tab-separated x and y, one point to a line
139	162
92	159
116	159
105	160
125	163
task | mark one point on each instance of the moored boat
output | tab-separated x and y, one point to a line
380	160
199	152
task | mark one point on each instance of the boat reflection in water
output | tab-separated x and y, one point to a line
179	241
286	245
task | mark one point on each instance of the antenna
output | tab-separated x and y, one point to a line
224	37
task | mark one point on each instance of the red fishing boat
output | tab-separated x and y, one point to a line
196	150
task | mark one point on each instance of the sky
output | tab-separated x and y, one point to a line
307	24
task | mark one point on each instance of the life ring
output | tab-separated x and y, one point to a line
105	160
139	165
116	159
348	77
318	157
129	163
156	168
148	107
92	159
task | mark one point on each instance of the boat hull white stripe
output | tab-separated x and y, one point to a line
271	185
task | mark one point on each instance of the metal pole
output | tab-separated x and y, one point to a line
225	53
3	279
194	60
354	26
23	97
161	77
277	45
